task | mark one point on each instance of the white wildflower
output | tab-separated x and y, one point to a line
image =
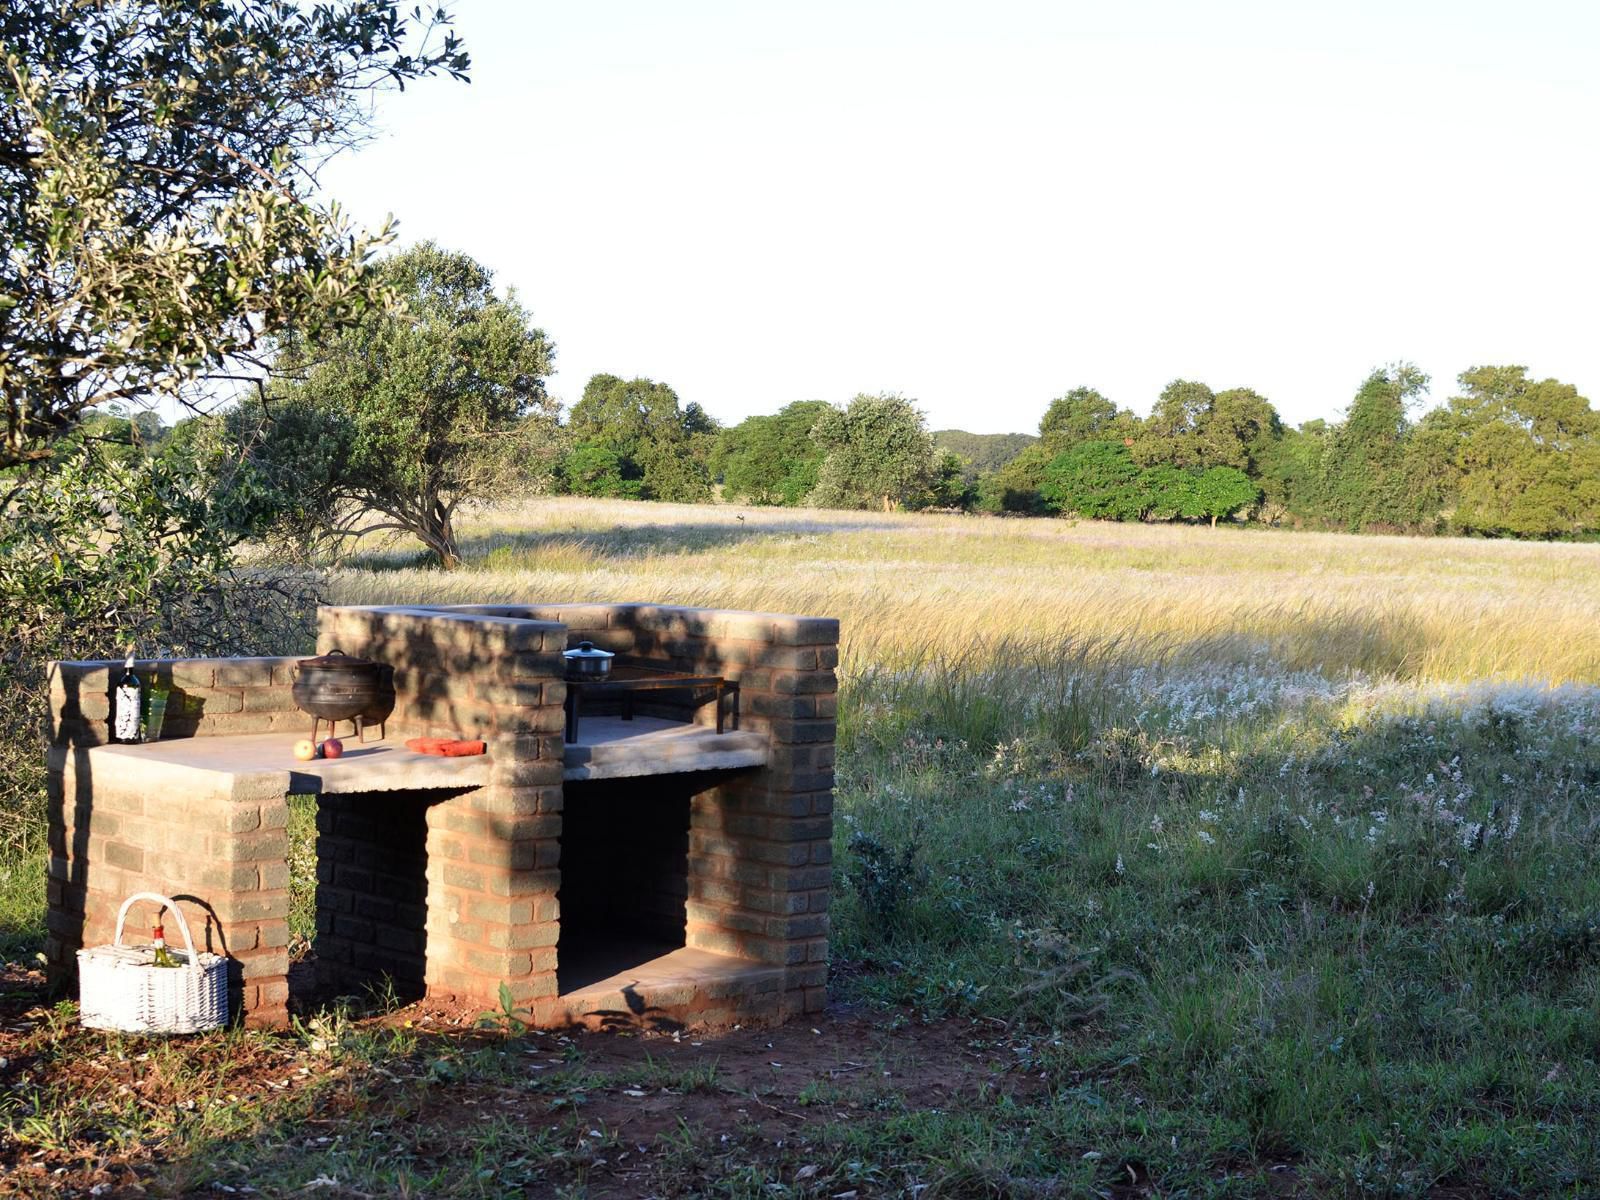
1206	838
1121	868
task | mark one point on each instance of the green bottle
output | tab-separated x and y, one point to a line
163	955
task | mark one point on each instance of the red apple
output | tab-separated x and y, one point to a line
332	748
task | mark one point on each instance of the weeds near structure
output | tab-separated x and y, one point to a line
509	1018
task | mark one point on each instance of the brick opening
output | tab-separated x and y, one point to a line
624	877
372	893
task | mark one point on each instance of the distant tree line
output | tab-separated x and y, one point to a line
1508	456
397	420
632	439
400	417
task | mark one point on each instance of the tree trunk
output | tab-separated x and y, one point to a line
439	536
1213	520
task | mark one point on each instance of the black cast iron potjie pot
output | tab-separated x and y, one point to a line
586	662
337	687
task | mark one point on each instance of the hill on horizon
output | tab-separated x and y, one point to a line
983	452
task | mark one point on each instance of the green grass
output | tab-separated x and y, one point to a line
1345	926
302	830
22	905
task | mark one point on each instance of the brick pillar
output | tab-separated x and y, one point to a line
760	845
493	852
218	847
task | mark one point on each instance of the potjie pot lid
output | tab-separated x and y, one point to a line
336	659
586	650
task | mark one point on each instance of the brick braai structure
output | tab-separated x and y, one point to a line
631	889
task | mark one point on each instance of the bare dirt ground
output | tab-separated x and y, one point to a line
611	1114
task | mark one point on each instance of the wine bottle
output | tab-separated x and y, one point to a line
128	706
163	957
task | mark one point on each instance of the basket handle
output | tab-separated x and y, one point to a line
157	898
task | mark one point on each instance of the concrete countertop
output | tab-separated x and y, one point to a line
607	748
376	766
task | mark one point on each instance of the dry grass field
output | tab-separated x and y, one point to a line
905	585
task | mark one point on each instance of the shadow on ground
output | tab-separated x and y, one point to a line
513	550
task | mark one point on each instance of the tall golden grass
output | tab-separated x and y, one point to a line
910	585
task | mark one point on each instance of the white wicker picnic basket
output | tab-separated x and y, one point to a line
120	988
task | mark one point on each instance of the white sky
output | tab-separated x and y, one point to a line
984	205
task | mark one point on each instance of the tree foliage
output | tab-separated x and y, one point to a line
1098	480
394	422
981	453
1509	456
591	470
1219	492
878	454
1362	479
771	459
157	184
104	554
1176	431
1083	415
157	169
662	448
1528	455
1014	488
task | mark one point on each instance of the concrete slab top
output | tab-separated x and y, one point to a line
377	766
671	980
611	748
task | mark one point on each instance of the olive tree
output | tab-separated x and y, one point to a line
393	422
157	172
878	453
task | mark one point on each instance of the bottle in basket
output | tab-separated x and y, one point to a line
119	987
163	956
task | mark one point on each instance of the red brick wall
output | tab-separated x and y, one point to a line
221	853
760	847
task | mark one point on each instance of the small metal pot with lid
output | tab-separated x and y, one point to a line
337	687
587	662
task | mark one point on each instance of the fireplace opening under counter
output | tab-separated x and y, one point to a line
624	877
